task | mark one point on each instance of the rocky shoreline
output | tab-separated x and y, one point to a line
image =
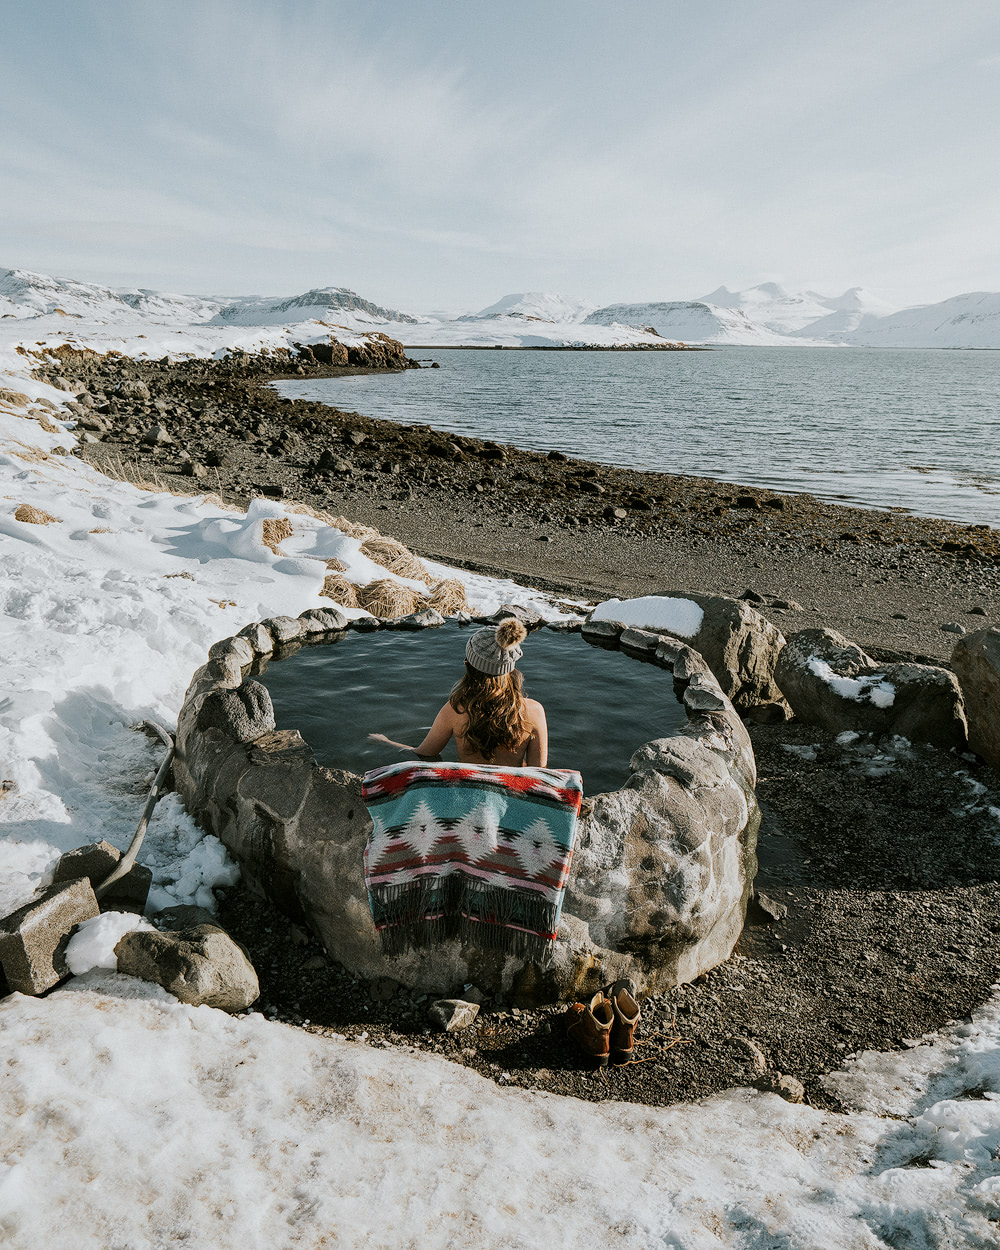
886	579
885	862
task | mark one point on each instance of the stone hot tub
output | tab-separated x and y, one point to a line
662	869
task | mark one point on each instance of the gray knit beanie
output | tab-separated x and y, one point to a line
496	651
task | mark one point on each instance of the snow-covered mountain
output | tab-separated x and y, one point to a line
328	303
800	312
767	315
535	306
971	320
690	321
24	293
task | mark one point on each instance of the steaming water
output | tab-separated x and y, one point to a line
917	430
600	705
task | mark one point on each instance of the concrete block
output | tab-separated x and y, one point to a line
33	939
95	862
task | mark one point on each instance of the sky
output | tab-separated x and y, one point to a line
439	155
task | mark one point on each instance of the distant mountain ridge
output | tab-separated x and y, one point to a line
24	293
688	321
320	303
798	312
767	315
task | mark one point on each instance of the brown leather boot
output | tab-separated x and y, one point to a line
589	1025
626	1016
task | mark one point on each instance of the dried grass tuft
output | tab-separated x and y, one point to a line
218	502
102	529
33	516
447	597
14	399
48	426
273	531
340	590
125	471
353	529
392	555
30	455
387	599
335	566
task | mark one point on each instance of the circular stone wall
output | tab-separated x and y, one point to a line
661	872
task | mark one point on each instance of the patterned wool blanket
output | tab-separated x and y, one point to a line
469	850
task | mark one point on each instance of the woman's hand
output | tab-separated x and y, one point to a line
389	741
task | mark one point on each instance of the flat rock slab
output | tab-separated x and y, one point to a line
34	938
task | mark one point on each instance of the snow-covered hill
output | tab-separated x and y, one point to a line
535	306
690	321
971	320
799	312
24	294
767	315
328	303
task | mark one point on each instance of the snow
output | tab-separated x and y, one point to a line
692	322
155	323
874	688
800	312
535	306
93	943
129	1119
681	618
971	320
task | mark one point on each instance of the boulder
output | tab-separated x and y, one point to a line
658	888
198	962
157	436
134	390
450	1015
243	714
976	661
832	683
739	645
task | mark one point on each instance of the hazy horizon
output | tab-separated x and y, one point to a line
439	157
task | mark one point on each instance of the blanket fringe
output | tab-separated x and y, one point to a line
422	913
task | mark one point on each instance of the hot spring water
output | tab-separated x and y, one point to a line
601	705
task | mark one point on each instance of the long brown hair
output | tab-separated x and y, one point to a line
496	710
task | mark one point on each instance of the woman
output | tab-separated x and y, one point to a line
487	714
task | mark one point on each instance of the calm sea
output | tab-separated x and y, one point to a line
918	430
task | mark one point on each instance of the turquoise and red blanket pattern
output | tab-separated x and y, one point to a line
473	851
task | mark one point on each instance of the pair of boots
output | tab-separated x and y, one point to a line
604	1028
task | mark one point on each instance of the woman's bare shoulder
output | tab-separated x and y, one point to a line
534	709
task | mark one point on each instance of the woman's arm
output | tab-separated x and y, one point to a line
434	741
537	754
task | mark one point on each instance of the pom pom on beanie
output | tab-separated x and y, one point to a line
496	651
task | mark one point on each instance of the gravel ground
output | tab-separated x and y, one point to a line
885	857
886	862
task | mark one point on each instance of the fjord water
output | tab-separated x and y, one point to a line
918	430
337	692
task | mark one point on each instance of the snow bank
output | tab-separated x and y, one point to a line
681	618
104	614
130	1119
874	688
